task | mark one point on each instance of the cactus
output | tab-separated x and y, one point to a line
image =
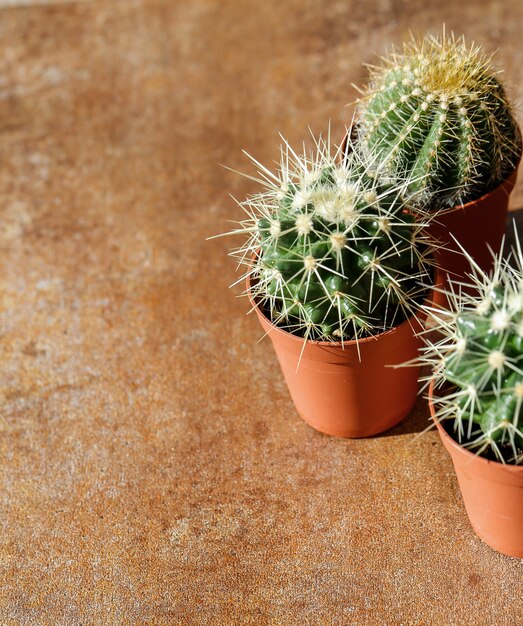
331	252
437	113
479	354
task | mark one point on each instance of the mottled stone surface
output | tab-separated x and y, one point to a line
153	469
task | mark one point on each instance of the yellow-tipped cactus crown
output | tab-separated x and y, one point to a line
436	112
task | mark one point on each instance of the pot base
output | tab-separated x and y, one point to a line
359	433
492	493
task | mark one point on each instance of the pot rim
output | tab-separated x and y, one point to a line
462	207
325	344
508	467
457	207
511	174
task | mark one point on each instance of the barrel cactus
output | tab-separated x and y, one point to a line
479	358
436	112
330	248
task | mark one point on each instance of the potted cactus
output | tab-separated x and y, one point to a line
334	262
476	397
437	113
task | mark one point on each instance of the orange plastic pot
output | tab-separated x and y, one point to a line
342	393
492	493
477	225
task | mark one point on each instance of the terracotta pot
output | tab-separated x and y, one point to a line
337	393
476	225
492	493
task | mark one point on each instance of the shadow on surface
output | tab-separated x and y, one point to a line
514	217
415	422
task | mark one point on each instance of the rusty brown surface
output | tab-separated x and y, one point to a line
153	469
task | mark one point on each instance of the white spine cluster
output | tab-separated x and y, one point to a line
330	249
475	353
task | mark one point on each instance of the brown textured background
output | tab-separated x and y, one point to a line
153	469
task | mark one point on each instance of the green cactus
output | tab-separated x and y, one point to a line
437	113
331	251
479	353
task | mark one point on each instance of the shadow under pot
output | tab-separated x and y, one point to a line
492	493
349	389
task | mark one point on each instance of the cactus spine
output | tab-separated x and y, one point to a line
331	252
437	112
480	354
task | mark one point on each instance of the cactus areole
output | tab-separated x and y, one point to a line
480	356
330	249
437	113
